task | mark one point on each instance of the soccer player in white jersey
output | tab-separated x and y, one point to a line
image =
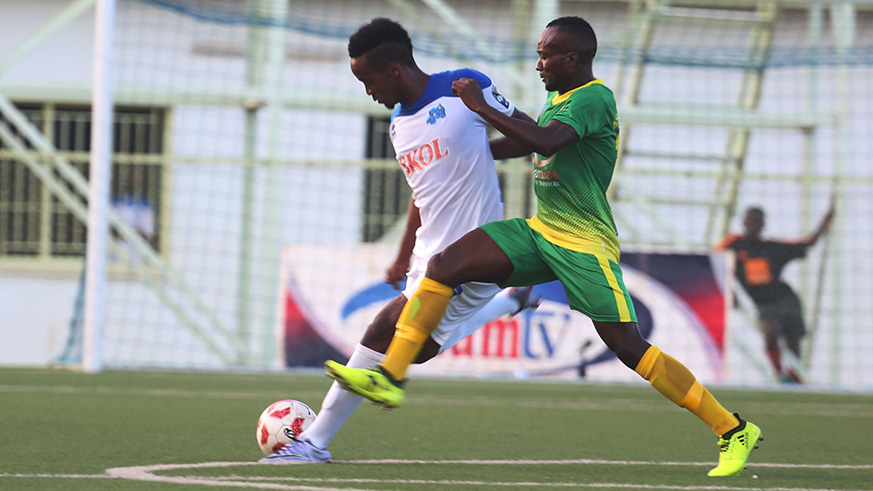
444	152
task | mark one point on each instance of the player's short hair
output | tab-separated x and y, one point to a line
580	33
755	210
384	40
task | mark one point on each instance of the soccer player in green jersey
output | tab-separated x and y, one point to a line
571	238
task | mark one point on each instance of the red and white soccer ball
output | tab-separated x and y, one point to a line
282	421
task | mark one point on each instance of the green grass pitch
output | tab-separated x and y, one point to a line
126	430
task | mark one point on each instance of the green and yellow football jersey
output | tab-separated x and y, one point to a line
571	185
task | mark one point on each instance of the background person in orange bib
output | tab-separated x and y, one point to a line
759	265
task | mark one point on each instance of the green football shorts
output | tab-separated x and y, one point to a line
593	283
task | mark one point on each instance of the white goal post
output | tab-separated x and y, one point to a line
98	194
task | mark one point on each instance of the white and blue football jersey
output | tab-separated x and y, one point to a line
443	149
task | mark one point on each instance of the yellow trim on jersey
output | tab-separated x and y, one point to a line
620	300
559	98
574	243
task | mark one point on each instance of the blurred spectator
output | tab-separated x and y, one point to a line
134	207
759	265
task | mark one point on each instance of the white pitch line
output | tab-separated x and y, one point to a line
146	473
57	476
501	484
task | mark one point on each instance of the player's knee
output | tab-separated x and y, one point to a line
629	350
630	357
440	270
625	340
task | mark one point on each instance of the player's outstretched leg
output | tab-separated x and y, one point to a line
384	384
474	257
734	448
375	384
737	438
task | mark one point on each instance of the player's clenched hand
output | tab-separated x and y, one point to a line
396	273
469	92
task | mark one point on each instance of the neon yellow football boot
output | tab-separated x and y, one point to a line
734	451
374	384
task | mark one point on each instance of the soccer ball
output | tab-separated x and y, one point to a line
281	422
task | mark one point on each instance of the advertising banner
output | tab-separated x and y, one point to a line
679	300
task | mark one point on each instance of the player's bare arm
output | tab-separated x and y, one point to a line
398	269
544	140
504	148
824	225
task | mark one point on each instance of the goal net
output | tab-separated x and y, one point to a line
255	195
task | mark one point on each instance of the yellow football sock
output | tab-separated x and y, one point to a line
420	317
677	383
